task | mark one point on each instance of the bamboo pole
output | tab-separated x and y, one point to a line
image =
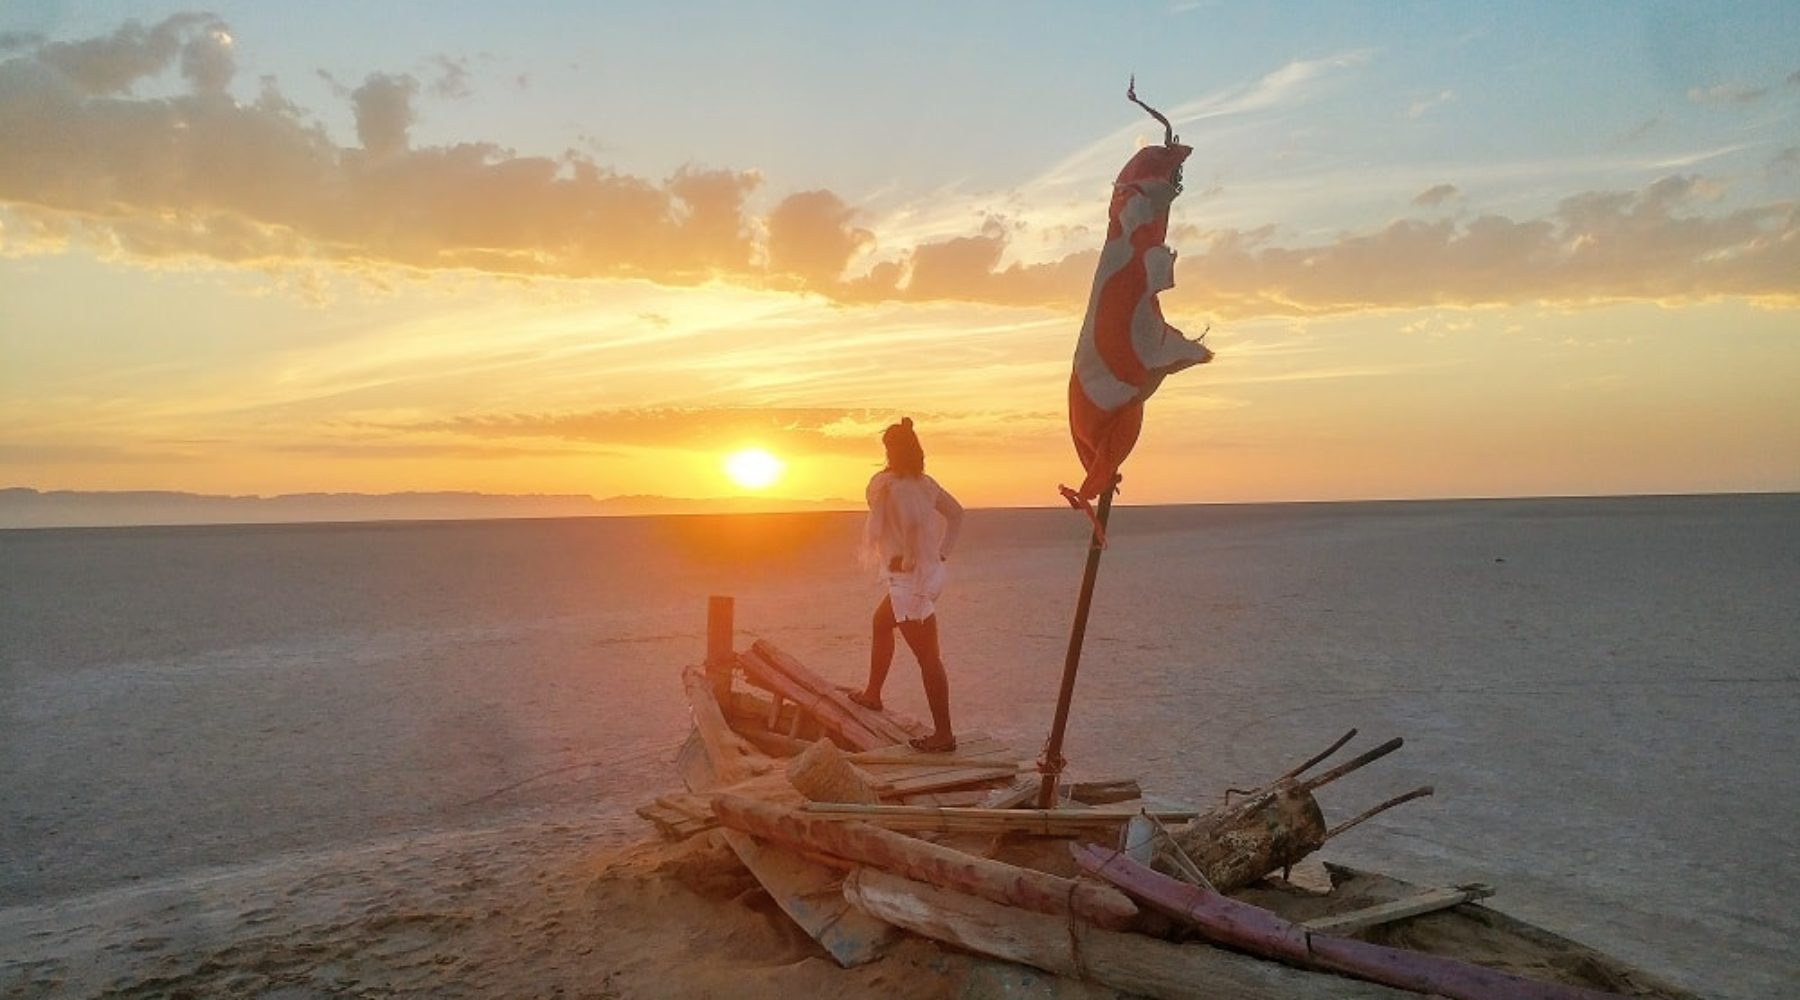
1051	764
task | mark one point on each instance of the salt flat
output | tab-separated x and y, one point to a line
1602	692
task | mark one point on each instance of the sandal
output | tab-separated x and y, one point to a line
934	744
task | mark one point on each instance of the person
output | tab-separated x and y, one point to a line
912	528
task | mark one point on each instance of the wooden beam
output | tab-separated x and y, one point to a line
733	758
810	893
837	722
876	722
1044	822
1429	901
996	881
1130	963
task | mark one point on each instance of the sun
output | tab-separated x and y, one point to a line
753	468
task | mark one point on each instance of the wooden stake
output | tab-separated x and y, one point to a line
1359	761
1051	764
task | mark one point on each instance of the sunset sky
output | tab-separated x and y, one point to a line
1445	249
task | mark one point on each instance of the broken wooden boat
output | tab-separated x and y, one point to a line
858	838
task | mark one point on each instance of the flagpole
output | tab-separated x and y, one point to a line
1051	764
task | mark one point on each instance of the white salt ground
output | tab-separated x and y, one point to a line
391	759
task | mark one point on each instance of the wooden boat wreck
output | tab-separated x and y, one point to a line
859	838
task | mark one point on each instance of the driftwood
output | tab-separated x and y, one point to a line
916	859
947	819
1417	904
1131	963
839	723
823	774
1236	924
733	758
811	894
1271	827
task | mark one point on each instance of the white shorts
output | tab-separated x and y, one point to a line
914	595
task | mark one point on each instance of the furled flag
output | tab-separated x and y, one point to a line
1126	348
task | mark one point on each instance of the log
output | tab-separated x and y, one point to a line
916	859
1241	925
822	774
733	759
1130	963
839	724
1237	845
948	819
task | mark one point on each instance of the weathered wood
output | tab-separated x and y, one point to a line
904	771
839	724
1100	793
823	774
1355	763
733	758
1236	924
1236	845
1131	963
997	881
812	894
694	766
1376	810
876	722
679	817
719	657
1429	901
1010	796
1042	822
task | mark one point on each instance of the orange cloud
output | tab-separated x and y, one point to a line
199	175
800	430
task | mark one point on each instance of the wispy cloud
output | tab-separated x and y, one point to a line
1419	107
1727	93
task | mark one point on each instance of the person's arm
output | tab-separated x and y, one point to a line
953	519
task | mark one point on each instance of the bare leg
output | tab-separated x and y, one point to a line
922	639
881	655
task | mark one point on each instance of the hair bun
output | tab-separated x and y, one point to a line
906	422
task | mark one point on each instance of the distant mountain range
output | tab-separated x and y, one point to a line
22	507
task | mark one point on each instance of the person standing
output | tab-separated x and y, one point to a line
912	527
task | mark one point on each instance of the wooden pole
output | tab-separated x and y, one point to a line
719	654
1051	764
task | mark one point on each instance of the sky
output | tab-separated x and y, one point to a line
1444	249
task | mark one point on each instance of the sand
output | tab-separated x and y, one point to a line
525	912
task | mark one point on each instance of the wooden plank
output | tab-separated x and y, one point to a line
1241	925
733	759
1429	901
693	766
812	894
953	778
905	771
876	722
838	723
1011	796
996	881
1130	963
1043	822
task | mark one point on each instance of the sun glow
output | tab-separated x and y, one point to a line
753	468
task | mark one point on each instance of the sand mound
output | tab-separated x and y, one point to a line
511	913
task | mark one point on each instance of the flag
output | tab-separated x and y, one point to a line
1126	348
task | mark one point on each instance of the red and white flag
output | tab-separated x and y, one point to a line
1126	349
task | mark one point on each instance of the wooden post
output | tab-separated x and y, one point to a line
1051	765
719	653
